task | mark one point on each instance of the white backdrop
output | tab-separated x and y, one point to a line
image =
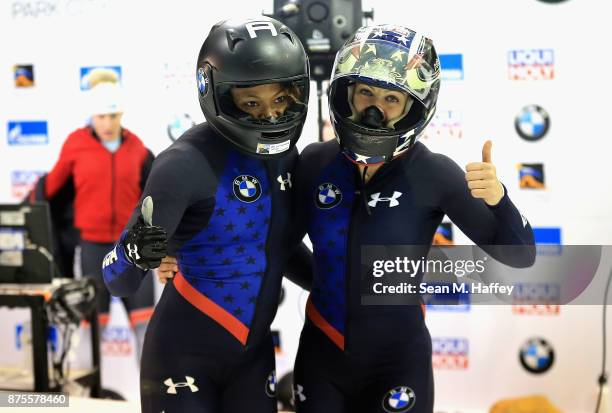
156	45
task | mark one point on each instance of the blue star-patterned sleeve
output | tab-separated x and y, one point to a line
172	185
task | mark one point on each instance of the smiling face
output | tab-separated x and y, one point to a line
262	101
107	126
390	102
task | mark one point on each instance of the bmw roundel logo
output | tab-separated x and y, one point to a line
202	82
271	384
178	125
399	400
328	196
532	123
247	188
537	355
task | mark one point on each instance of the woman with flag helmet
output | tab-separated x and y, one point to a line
219	201
396	60
377	185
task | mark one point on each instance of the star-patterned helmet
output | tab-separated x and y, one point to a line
390	57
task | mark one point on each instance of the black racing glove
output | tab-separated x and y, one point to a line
145	244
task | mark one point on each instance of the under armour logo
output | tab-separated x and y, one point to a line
254	26
172	386
298	393
133	252
393	200
110	258
284	182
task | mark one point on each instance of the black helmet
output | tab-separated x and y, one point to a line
391	57
250	54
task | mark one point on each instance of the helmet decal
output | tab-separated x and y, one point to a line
390	57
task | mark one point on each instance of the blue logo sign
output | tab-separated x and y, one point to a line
107	73
28	133
547	236
450	301
23	336
536	293
539	299
444	234
22	182
533	64
12	239
548	241
531	176
24	75
450	353
452	66
445	230
116	341
444	124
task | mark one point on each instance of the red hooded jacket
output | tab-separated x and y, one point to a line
107	185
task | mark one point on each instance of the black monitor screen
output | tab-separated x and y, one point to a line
26	252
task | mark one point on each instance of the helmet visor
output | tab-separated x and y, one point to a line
269	104
408	63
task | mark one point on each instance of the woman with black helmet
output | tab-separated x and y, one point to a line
376	185
221	196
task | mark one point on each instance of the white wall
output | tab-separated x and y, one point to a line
156	44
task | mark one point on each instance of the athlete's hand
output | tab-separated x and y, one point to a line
167	269
146	244
482	179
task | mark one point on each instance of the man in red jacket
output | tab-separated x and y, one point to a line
108	166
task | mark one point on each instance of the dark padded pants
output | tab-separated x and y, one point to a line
395	379
192	364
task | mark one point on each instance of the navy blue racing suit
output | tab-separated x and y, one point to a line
374	358
208	346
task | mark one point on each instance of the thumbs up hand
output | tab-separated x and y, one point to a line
482	179
146	244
